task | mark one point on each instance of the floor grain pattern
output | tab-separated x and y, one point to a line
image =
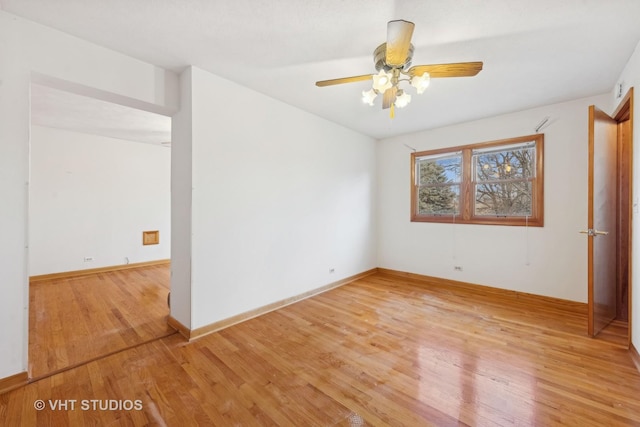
75	320
383	350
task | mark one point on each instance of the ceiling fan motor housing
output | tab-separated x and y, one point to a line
379	56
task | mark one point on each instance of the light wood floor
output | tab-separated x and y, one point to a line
75	320
383	350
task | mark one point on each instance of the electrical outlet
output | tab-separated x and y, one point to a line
88	259
457	267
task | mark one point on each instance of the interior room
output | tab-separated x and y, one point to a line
372	213
99	176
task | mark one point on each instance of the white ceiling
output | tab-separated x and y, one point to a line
65	110
534	52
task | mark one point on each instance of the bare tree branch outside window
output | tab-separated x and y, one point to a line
503	182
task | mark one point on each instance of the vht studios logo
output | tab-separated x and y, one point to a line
88	405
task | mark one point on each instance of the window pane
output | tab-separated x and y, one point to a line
508	164
493	183
439	170
504	198
440	200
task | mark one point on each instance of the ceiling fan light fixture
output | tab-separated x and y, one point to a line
368	96
403	99
421	83
392	60
382	81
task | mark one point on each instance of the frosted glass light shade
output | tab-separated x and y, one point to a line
382	81
403	100
368	96
421	83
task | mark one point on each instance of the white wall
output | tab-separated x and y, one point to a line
630	77
547	261
181	171
27	48
279	198
93	196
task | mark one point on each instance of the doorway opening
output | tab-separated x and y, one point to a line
99	180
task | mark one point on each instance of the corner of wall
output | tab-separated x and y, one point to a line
181	202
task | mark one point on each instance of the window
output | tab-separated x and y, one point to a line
439	179
497	182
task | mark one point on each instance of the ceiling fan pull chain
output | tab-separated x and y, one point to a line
392	112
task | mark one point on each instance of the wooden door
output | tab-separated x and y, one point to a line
602	246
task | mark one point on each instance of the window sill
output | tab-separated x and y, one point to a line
481	220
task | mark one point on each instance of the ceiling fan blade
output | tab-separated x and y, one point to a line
458	69
398	41
342	80
389	97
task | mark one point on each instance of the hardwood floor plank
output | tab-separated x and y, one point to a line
74	320
384	350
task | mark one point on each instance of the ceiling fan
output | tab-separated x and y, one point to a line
393	62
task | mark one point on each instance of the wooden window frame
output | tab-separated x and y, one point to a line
467	198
